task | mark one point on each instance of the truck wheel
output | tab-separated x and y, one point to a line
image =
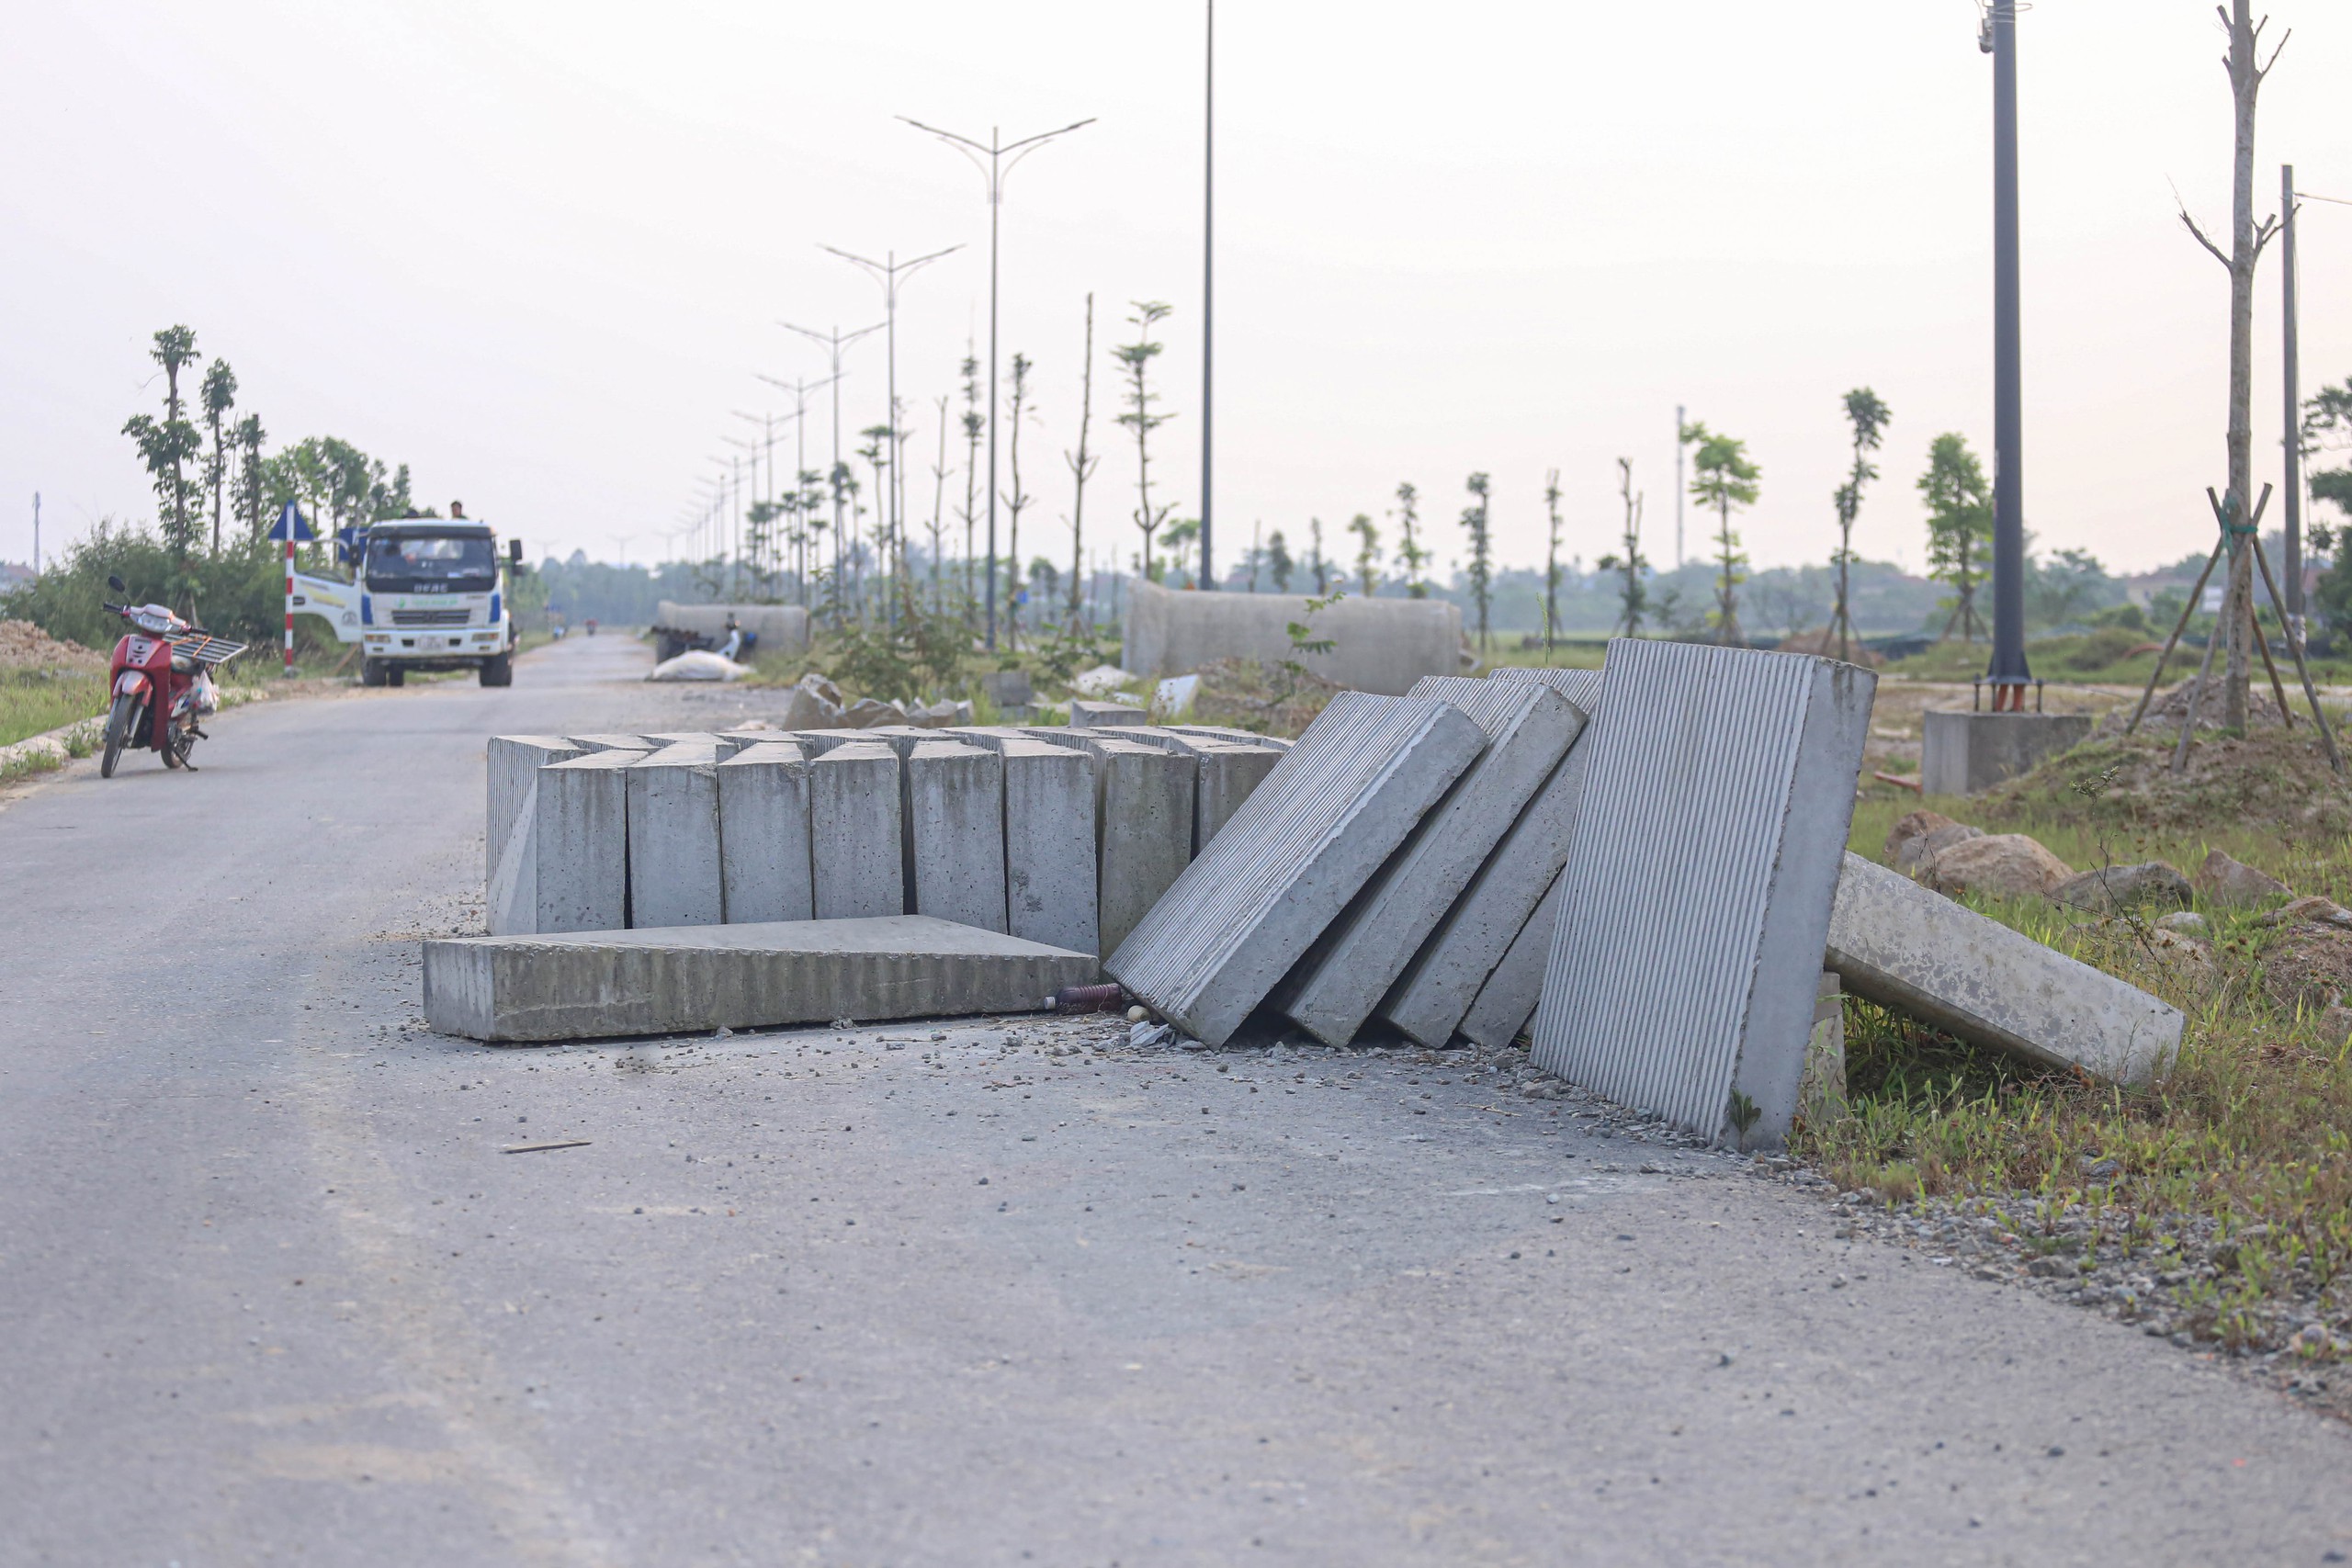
371	672
498	669
395	675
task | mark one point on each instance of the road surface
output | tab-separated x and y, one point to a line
269	1291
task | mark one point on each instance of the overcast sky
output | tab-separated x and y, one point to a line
536	251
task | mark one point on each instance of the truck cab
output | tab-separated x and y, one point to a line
430	598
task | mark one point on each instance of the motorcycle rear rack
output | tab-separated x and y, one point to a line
207	649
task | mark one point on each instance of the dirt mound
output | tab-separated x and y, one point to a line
2167	711
2270	779
1249	693
24	646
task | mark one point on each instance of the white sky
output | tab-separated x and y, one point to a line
536	251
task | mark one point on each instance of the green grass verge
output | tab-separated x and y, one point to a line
34	703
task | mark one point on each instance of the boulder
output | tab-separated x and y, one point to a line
2308	966
2313	910
1918	851
867	714
2111	888
2188	923
2228	881
1917	825
805	710
822	690
1998	866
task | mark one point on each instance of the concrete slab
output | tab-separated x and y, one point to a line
1226	732
1894	942
1329	814
1084	715
954	809
764	835
816	742
855	847
676	873
580	835
657	981
901	739
1529	729
613	742
1049	844
511	907
1505	1005
511	766
1227	776
685	737
1143	824
1430	997
990	736
1698	888
1961	753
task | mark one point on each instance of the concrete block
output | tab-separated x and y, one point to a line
1698	888
1505	1005
989	737
1378	645
676	873
1228	775
856	834
1961	753
901	739
1049	844
764	835
685	737
1821	1094
1143	823
816	742
1289	861
512	763
1228	733
1528	729
613	742
1894	942
1084	715
580	835
512	904
598	985
955	796
1431	998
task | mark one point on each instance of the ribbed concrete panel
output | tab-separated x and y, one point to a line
763	834
1429	1000
513	763
1529	729
1506	1003
676	875
1696	899
1304	843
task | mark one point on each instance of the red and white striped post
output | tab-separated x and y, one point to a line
290	602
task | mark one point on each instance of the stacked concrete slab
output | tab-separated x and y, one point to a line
676	875
1685	962
763	834
1143	819
1302	847
856	834
579	837
1084	715
1505	1004
1528	729
955	806
1050	849
513	763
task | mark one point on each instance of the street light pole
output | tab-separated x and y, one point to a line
836	344
2009	675
999	157
799	391
2290	436
1207	577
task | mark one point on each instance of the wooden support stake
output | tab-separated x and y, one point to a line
2174	641
2303	666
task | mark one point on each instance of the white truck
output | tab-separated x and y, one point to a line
430	598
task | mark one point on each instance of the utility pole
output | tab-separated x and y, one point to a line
36	532
1681	424
2291	432
887	272
2009	675
994	169
799	389
1207	577
836	344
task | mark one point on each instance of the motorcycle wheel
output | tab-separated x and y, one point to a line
120	719
176	746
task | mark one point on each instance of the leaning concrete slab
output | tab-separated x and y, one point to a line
580	835
956	832
1049	851
1529	729
764	835
1084	715
1698	888
854	832
1229	776
676	873
597	985
613	742
1143	823
1329	814
1894	942
1430	997
1961	753
512	764
1506	1003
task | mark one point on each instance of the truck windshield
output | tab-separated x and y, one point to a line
431	563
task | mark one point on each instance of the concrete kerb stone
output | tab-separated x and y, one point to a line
1229	776
1228	733
1894	942
676	872
1529	729
855	840
1302	846
955	796
1685	961
1049	844
686	738
511	766
605	984
1506	1003
1143	823
580	841
1084	715
613	742
817	742
1431	997
763	828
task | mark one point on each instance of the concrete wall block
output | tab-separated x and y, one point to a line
1379	645
1529	729
1685	962
763	834
1049	844
581	840
676	872
1961	753
1506	1003
1229	776
613	742
1084	715
1228	733
512	904
856	832
1144	828
956	819
511	766
1302	846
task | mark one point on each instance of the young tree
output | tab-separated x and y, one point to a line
1869	416
1552	560
939	472
975	426
252	492
1081	468
1367	551
1017	413
1409	553
169	445
1959	525
1137	357
1315	562
1723	477
1474	520
1182	536
218	395
1633	593
1279	566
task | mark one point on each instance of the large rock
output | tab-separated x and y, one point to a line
2227	881
1916	838
2109	887
1995	866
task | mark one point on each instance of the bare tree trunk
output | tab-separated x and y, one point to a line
1080	466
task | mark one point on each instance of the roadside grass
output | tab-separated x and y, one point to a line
35	701
1583	653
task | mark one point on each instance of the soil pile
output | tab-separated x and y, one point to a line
25	646
1249	693
2165	713
2270	779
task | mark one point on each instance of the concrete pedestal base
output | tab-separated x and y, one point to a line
1963	753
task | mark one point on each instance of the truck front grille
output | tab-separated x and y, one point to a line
430	617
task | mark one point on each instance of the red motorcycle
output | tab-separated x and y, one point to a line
161	678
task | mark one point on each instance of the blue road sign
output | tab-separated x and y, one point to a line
291	525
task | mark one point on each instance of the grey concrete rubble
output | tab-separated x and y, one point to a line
1506	1003
1143	817
1894	942
1435	992
1084	715
676	875
1304	843
1686	958
1528	729
764	820
581	835
954	808
512	764
856	857
1049	848
597	985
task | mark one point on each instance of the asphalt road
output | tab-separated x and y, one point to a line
269	1291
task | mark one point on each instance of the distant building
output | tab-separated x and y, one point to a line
13	576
